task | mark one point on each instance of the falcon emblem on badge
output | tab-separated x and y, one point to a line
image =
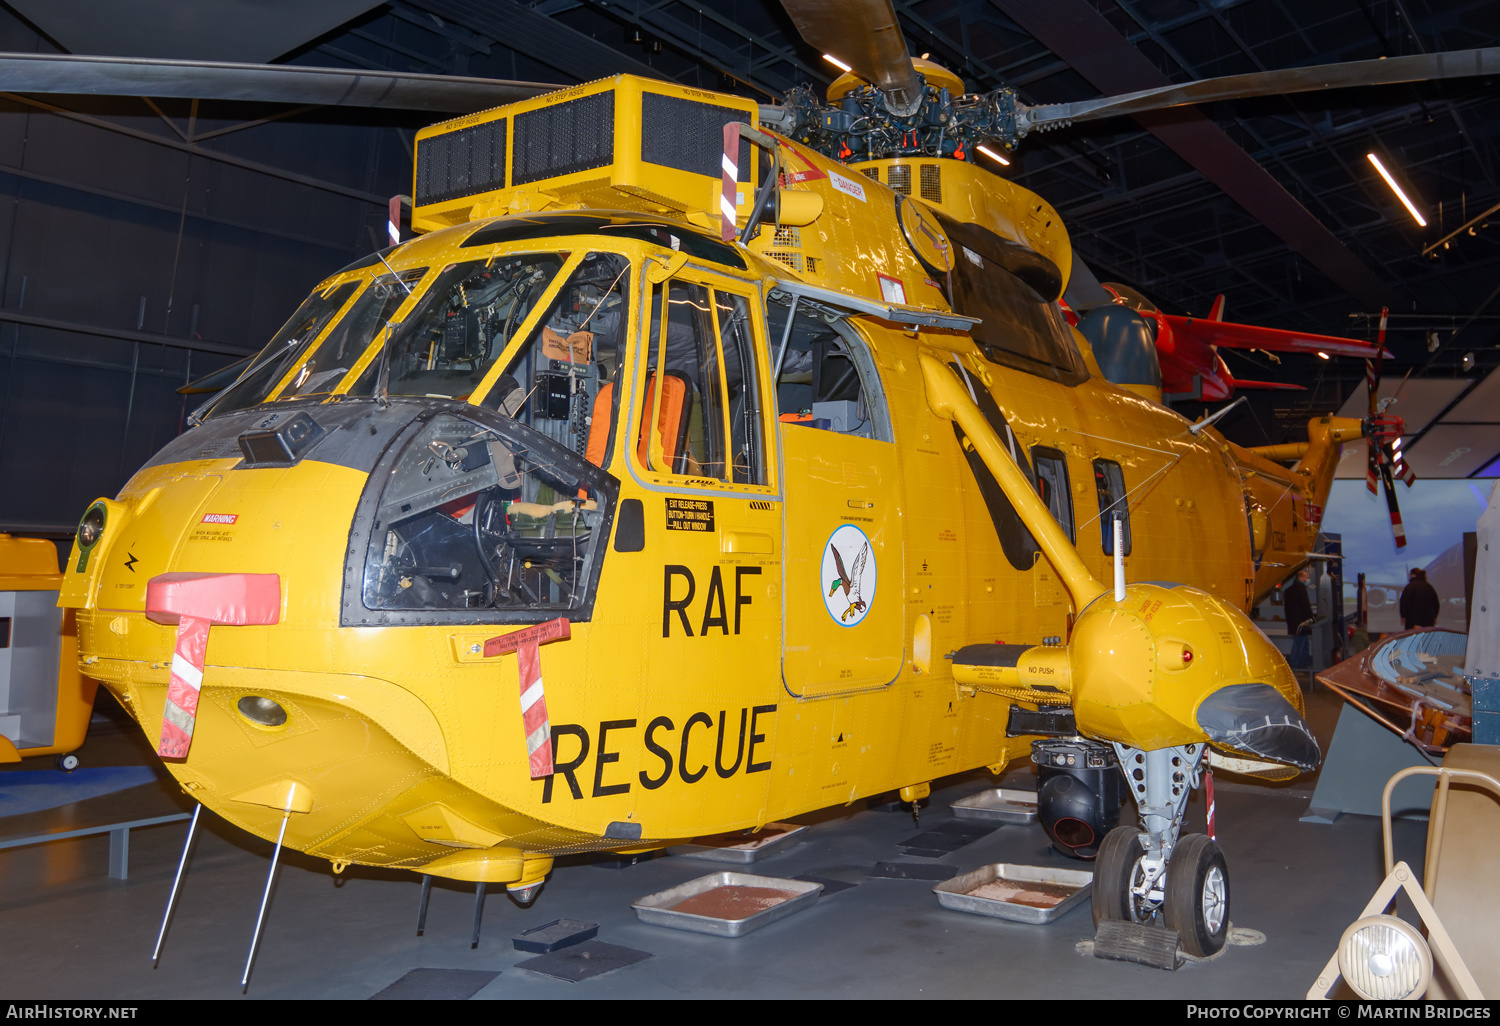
849	573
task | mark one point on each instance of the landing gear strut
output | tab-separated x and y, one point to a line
1151	875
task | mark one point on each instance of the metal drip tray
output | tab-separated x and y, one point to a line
740	848
1034	886
997	805
661	908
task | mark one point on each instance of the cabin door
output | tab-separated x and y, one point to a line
842	562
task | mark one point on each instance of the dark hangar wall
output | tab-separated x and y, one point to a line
109	242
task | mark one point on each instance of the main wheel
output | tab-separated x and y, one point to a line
1117	869
1197	904
67	763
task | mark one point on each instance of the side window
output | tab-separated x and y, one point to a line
826	379
700	386
1052	485
1109	482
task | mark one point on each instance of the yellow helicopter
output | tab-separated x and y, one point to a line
701	464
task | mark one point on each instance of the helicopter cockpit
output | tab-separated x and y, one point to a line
475	513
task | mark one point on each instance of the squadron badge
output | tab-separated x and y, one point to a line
848	575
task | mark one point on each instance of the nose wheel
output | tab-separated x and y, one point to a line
1197	894
1152	876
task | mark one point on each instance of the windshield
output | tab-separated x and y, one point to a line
285	348
351	336
561	381
461	326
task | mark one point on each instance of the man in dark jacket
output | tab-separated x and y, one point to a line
1297	608
1419	602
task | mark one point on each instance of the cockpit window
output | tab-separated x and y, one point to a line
351	336
285	348
460	326
474	519
562	381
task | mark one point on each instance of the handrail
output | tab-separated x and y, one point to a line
948	399
1445	775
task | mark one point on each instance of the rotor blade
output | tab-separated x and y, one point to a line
257	83
865	35
1390	501
1422	67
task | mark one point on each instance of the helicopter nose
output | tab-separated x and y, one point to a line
1258	720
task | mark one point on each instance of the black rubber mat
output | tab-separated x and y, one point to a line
437	985
829	886
560	933
581	961
912	871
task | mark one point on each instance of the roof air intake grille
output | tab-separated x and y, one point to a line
564	138
462	163
688	135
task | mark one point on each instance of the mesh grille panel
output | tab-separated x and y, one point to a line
932	183
578	135
899	178
792	260
786	235
872	172
462	163
688	135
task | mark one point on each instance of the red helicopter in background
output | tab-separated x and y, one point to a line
1187	347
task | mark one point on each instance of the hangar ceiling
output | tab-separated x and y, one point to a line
1270	202
247	31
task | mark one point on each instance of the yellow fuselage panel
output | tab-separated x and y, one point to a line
714	686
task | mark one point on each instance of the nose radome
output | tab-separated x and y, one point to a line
1257	720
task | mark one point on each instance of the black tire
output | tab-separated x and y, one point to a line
1115	869
67	763
1197	904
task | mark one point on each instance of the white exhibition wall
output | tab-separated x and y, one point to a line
1435	513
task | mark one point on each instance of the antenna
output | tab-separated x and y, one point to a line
1195	428
1119	559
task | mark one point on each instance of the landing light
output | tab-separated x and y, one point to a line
1396	189
91	527
1322	355
261	711
992	155
831	59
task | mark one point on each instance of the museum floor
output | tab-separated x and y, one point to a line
73	932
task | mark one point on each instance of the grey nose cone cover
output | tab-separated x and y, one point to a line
1257	720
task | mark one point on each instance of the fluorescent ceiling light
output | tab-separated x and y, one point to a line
992	155
1396	189
831	59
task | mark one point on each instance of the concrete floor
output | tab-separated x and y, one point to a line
75	933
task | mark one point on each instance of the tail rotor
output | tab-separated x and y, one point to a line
1384	431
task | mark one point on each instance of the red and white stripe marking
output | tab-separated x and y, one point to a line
534	721
729	197
194	602
180	714
393	223
1208	800
534	711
